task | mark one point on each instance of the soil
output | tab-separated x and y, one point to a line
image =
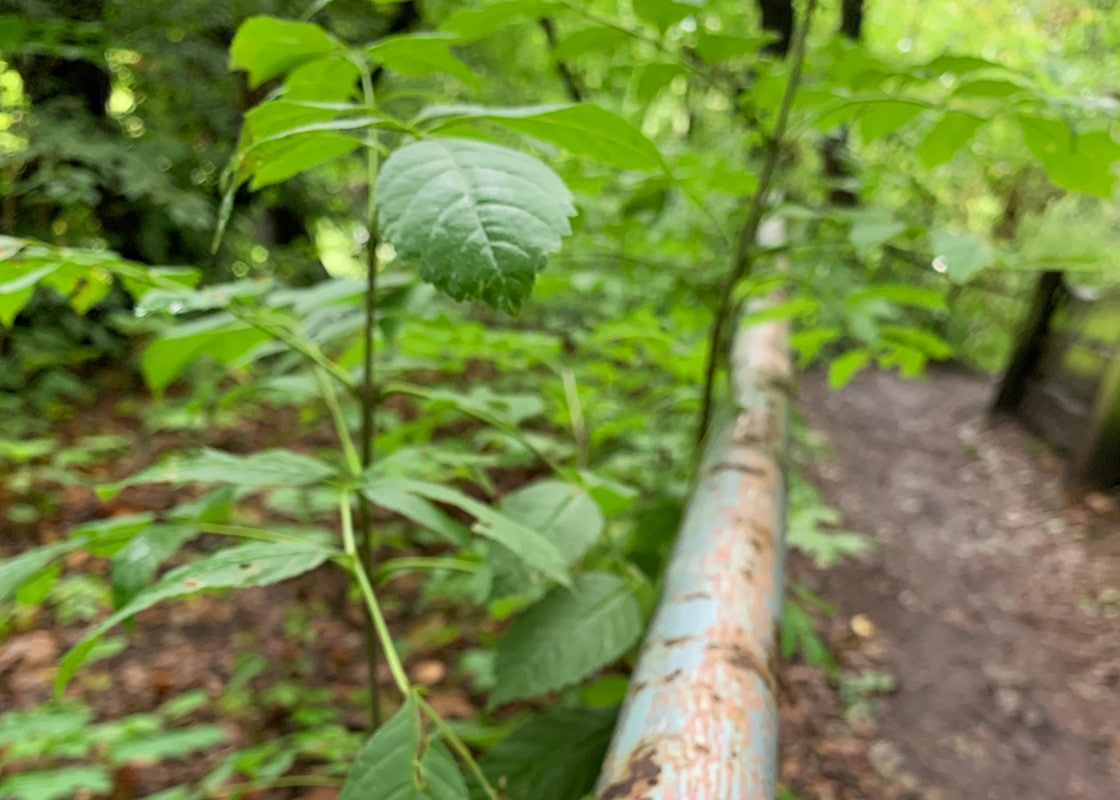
993	600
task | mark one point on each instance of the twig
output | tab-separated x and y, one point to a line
746	245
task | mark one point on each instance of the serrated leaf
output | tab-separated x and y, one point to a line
1081	162
267	468
526	544
267	47
583	129
422	55
480	220
556	755
221	337
960	255
254	564
566	637
400	763
950	133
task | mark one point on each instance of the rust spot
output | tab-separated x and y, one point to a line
642	772
742	658
676	640
686	598
672	676
638	686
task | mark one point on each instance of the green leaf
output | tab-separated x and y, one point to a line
18	570
60	783
799	632
325	79
872	228
597	39
400	763
16	291
139	560
469	24
960	255
584	129
663	14
259	470
422	55
221	337
526	544
160	746
254	564
717	48
282	139
267	47
843	368
556	755
420	511
903	294
563	513
479	219
950	133
566	637
885	117
1081	162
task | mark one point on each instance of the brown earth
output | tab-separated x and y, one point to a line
992	599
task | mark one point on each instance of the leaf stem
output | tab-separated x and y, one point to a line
368	396
746	244
460	747
396	668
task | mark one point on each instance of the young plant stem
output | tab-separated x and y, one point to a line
746	244
396	668
369	397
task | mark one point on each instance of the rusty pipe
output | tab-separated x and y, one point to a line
700	721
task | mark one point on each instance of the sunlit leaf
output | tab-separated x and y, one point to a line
1081	162
221	337
267	47
952	131
421	55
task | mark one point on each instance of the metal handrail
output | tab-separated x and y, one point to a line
700	721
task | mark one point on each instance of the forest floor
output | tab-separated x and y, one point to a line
986	622
977	647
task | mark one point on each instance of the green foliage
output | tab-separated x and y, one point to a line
400	763
644	180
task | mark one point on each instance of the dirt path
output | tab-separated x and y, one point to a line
995	604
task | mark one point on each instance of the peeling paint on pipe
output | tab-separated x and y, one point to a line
700	721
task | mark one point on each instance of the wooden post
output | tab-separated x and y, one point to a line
1048	294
